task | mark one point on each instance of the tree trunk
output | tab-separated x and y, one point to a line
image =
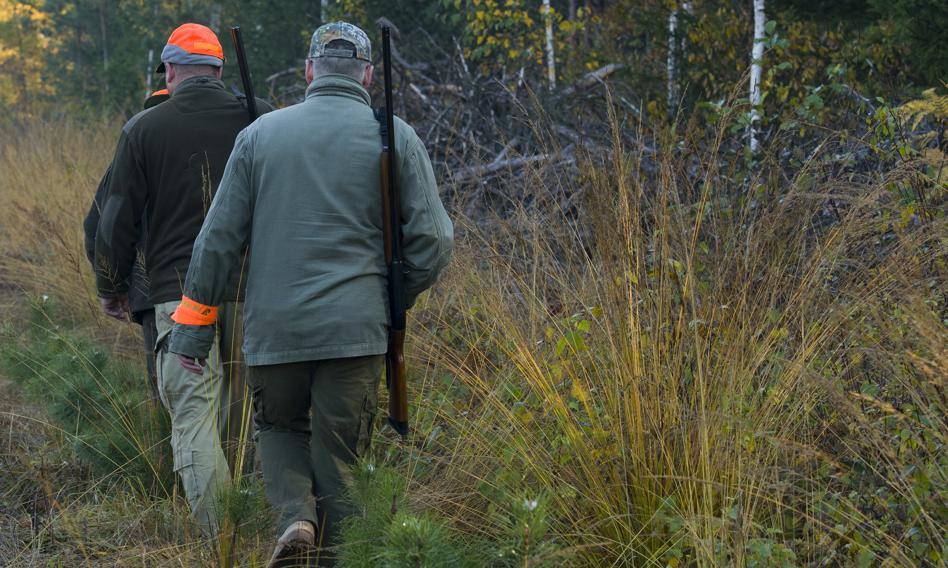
103	29
550	56
20	64
323	11
757	56
670	62
149	71
214	21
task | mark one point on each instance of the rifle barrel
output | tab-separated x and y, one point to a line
237	38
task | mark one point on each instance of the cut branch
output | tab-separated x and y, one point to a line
592	78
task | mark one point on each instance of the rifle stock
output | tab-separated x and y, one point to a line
395	377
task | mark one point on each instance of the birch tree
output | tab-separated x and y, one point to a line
550	59
676	51
670	62
757	56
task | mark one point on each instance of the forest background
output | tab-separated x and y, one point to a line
696	316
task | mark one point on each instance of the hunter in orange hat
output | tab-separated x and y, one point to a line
168	163
192	44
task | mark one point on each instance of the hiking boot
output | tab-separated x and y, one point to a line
295	546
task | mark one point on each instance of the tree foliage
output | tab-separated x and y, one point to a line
97	56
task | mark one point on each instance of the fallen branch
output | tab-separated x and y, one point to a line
565	156
858	97
497	165
284	73
591	78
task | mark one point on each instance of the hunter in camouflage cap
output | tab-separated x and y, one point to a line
328	33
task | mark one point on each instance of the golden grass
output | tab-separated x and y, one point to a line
51	171
679	387
682	384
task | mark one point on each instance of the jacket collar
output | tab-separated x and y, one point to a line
338	86
196	82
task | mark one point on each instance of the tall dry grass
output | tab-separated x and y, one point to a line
699	369
684	365
51	171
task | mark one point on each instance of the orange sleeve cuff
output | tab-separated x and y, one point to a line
190	312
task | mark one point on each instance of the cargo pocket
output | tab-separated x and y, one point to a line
256	401
184	467
366	425
161	353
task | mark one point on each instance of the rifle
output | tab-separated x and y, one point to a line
238	40
394	260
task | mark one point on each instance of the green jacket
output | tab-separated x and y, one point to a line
304	184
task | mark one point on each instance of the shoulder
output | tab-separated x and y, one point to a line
264	107
274	120
139	120
407	140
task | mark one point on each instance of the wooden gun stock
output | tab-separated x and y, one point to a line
395	377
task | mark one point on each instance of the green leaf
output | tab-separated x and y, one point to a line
865	558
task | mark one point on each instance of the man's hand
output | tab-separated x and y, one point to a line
116	307
192	365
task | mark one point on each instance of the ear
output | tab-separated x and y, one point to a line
170	73
310	71
219	72
367	78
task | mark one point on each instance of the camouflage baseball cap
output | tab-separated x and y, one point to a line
319	46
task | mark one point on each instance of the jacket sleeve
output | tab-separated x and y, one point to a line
91	223
217	248
427	231
120	219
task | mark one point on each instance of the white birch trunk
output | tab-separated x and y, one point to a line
683	34
757	56
676	52
149	71
670	62
550	59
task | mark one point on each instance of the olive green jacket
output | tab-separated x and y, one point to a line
304	184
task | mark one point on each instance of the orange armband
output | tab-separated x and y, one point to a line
190	312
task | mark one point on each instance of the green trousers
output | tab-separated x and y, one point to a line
210	414
313	419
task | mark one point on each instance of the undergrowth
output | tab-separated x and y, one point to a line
101	402
665	356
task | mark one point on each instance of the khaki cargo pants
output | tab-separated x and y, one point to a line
206	411
313	419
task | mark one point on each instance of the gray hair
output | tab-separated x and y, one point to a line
348	66
187	71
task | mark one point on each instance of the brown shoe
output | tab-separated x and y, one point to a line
295	546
